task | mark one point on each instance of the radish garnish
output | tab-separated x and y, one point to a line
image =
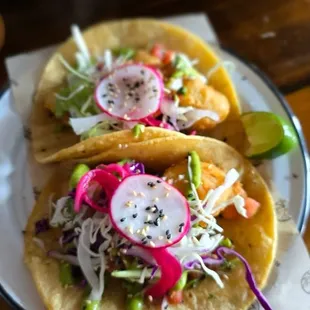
106	180
171	271
130	92
149	212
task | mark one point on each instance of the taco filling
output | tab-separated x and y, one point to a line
158	234
128	87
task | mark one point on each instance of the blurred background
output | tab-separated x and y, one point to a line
273	34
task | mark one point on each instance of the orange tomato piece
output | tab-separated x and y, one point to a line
168	57
175	297
251	206
157	50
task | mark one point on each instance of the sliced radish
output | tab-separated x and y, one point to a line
107	181
170	269
149	212
130	92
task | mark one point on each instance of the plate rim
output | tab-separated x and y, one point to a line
293	119
305	210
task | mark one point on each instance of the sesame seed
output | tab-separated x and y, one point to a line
170	181
167	232
169	241
156	199
164	178
123	219
134	193
130	230
181	176
110	109
144	242
135	215
143	232
150	298
141	194
138	231
129	203
167	194
160	237
148	217
149	237
169	236
152	244
182	224
165	217
119	146
151	184
168	188
147	228
148	208
156	222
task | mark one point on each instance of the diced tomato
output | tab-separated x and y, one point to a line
157	50
175	297
168	57
251	206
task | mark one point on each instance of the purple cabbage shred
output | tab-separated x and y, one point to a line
249	275
42	226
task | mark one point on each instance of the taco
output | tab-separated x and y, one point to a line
192	230
117	78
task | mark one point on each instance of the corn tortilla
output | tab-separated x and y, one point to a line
254	238
47	143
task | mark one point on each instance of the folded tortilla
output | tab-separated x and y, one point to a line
254	238
51	145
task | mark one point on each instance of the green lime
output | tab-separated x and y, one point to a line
269	135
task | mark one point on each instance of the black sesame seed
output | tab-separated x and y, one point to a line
148	208
143	239
135	215
167	232
156	209
158	181
104	95
128	85
136	206
144	242
149	237
151	184
180	229
130	246
142	72
110	85
123	219
182	224
137	99
149	222
168	236
137	84
156	222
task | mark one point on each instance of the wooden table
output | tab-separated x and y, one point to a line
273	34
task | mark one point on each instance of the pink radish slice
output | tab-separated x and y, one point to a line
149	212
106	180
131	92
151	121
171	271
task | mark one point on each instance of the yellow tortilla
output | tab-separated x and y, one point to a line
136	33
254	238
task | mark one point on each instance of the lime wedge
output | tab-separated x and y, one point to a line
268	134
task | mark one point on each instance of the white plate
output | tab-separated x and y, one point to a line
289	173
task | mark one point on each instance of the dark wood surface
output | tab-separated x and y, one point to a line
241	25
